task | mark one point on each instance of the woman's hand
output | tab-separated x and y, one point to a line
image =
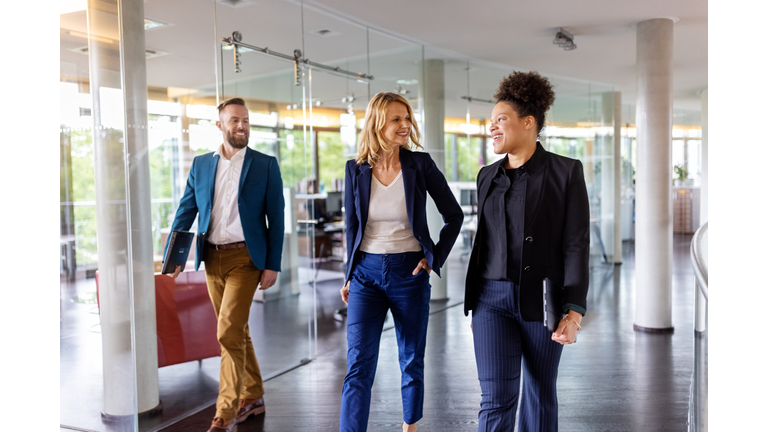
566	331
345	293
422	265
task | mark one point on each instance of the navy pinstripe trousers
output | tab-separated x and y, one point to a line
504	343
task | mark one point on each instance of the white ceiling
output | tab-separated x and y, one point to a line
505	35
519	33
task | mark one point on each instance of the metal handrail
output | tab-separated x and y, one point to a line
700	267
698	400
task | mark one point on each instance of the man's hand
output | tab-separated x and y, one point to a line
175	273
268	278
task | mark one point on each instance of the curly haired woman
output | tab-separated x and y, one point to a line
533	232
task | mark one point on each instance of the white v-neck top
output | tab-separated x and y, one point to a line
388	229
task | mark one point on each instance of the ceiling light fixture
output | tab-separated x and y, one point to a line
564	40
151	24
69	6
94	37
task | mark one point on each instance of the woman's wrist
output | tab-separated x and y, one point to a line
575	316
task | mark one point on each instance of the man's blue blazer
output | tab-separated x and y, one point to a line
260	200
420	176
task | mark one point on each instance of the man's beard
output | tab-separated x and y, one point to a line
236	142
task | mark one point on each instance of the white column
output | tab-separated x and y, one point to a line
433	95
617	163
134	74
704	213
607	185
653	244
123	213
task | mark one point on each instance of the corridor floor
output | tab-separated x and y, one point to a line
612	379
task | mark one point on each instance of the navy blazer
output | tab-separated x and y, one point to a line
259	199
420	175
556	245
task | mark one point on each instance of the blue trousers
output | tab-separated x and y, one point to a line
504	343
379	283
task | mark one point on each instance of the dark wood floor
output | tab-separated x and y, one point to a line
612	379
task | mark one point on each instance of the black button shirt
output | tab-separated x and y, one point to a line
502	223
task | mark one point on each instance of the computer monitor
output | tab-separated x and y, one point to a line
468	197
333	203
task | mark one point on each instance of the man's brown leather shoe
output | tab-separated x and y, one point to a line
248	407
221	425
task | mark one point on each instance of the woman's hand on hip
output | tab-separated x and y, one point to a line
422	265
345	293
566	331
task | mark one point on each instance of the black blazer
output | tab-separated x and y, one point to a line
556	244
420	175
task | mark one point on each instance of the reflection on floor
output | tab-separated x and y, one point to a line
613	379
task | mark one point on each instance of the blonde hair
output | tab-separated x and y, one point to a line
371	142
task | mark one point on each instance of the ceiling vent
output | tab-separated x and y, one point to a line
324	33
235	3
149	52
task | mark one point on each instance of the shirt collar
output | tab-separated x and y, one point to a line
239	155
530	166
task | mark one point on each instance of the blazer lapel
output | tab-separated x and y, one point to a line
364	193
247	159
212	173
485	184
409	182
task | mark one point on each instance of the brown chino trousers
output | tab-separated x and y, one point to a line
232	280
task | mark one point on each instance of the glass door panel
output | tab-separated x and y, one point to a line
274	89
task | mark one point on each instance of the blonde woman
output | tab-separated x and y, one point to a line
390	254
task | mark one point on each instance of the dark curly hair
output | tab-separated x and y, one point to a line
529	93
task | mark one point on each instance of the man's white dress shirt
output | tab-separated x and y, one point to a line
225	215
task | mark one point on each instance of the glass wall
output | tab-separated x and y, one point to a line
108	349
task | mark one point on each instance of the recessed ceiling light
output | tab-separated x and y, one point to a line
149	52
94	37
152	24
235	3
69	6
407	82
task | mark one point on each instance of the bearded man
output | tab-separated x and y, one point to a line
238	194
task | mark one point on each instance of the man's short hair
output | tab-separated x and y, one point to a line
231	101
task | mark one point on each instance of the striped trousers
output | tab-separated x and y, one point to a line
505	344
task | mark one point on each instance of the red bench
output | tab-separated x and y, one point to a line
186	324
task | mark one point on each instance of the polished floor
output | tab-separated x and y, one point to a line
612	379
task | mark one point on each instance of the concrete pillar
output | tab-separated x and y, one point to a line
454	158
611	177
67	210
139	200
617	163
653	245
433	95
121	162
483	143
607	156
704	213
